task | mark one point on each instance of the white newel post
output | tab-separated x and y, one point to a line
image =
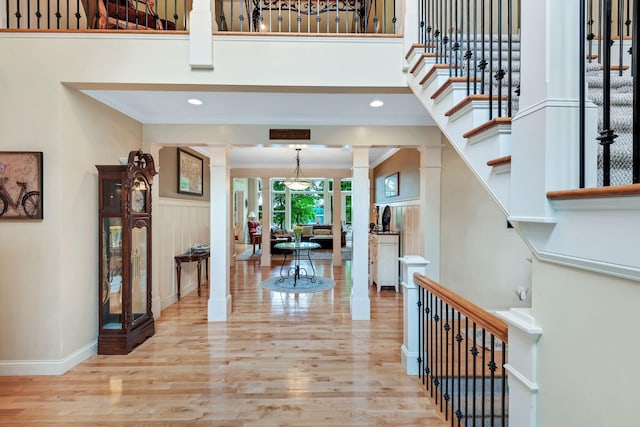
522	367
200	35
360	304
410	330
219	306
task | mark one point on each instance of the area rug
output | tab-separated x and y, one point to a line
303	286
248	255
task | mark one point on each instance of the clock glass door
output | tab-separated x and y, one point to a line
112	273
139	277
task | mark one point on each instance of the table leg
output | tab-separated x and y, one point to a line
198	267
178	270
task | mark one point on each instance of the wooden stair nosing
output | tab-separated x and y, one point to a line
420	63
499	161
496	121
450	81
434	69
417	46
585	193
616	67
469	99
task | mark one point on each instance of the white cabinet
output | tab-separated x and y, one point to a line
383	259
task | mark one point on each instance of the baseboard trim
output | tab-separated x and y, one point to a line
48	367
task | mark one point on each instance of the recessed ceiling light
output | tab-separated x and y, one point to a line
376	103
194	101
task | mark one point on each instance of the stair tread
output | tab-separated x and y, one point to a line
496	121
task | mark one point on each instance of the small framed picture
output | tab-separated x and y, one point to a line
190	173
391	185
21	185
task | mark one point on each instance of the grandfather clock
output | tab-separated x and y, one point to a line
124	191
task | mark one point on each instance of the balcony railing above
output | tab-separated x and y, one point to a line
255	16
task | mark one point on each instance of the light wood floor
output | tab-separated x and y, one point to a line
280	360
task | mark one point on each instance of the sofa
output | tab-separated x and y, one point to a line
322	234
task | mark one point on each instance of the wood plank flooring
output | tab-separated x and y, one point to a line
280	360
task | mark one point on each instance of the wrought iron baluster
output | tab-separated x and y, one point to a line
466	370
510	57
459	347
504	384
583	86
475	46
58	14
492	368
447	328
620	36
18	15
474	353
484	379
607	135
500	73
636	103
490	83
421	332
483	61
467	54
438	352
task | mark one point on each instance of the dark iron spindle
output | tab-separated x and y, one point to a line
466	369
490	59
636	107
510	57
620	36
459	346
504	384
492	368
483	61
467	53
583	87
607	135
500	73
484	379
474	353
447	328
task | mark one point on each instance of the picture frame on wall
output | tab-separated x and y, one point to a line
391	185
190	173
21	185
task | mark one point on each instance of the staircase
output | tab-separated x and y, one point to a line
478	125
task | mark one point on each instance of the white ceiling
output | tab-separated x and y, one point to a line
275	109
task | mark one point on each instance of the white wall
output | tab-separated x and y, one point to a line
588	354
481	259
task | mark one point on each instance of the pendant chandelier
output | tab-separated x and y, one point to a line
297	182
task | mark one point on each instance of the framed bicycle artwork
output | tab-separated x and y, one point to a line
190	173
21	185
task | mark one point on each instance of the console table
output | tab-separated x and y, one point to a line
296	248
192	257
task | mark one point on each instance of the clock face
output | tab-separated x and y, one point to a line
138	200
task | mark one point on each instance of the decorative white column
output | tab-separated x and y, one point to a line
337	223
430	177
522	367
219	307
265	259
201	35
410	330
360	304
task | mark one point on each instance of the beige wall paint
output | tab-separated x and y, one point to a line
588	352
169	171
407	163
481	259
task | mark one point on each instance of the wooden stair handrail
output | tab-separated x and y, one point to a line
473	312
585	193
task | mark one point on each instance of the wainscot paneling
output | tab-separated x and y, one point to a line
183	223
